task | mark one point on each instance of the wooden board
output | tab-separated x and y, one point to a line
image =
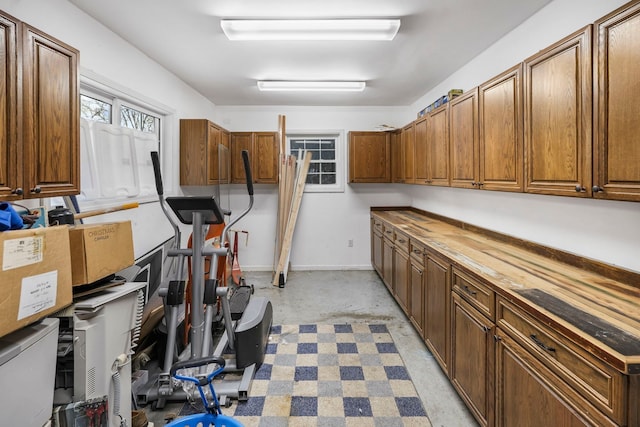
281	269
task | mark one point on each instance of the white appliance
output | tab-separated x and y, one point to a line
104	328
27	374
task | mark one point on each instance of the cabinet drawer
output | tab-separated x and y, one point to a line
401	241
378	225
417	251
597	382
476	293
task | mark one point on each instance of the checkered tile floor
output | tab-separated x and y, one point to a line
331	375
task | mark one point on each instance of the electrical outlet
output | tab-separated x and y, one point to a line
350	243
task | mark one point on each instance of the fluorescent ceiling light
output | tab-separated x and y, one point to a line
335	86
310	29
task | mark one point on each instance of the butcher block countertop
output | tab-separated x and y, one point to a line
594	304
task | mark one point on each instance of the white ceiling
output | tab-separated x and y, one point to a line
436	37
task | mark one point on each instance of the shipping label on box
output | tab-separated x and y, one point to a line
100	250
35	280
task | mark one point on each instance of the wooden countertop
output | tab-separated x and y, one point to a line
600	313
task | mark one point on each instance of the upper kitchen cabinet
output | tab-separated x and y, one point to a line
51	121
40	115
438	146
557	117
463	134
204	153
501	146
369	157
263	156
421	152
10	173
408	140
616	171
397	156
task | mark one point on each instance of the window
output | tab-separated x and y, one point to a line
118	131
327	154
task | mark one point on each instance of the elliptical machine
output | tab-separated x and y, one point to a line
243	343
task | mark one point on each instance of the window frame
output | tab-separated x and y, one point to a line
98	87
340	157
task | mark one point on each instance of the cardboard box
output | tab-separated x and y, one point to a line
35	279
99	250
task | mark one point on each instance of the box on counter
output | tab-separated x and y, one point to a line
35	280
99	250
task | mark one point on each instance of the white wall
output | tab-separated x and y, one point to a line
115	62
326	221
603	230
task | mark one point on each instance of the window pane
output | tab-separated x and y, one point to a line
313	178
149	123
328	155
328	178
328	167
314	167
315	154
328	144
313	145
296	144
130	118
94	109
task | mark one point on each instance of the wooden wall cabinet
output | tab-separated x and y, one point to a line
408	144
616	169
204	153
421	152
397	156
438	147
369	157
40	140
500	121
557	117
263	155
464	140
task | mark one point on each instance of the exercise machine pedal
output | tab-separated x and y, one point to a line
239	300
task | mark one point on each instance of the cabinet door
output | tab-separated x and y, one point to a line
376	247
397	157
617	105
501	148
438	142
416	296
387	264
408	143
557	118
527	395
436	308
421	155
472	359
10	178
51	125
401	278
369	157
265	158
240	141
463	128
224	157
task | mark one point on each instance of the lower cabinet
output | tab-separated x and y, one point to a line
472	358
509	366
437	295
528	395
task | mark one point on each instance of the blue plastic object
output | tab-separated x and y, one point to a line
213	417
9	218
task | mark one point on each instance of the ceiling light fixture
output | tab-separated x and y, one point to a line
310	29
327	86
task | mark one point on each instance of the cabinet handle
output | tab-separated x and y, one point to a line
486	329
18	191
497	338
417	252
473	183
35	190
541	344
580	189
469	291
480	184
597	189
